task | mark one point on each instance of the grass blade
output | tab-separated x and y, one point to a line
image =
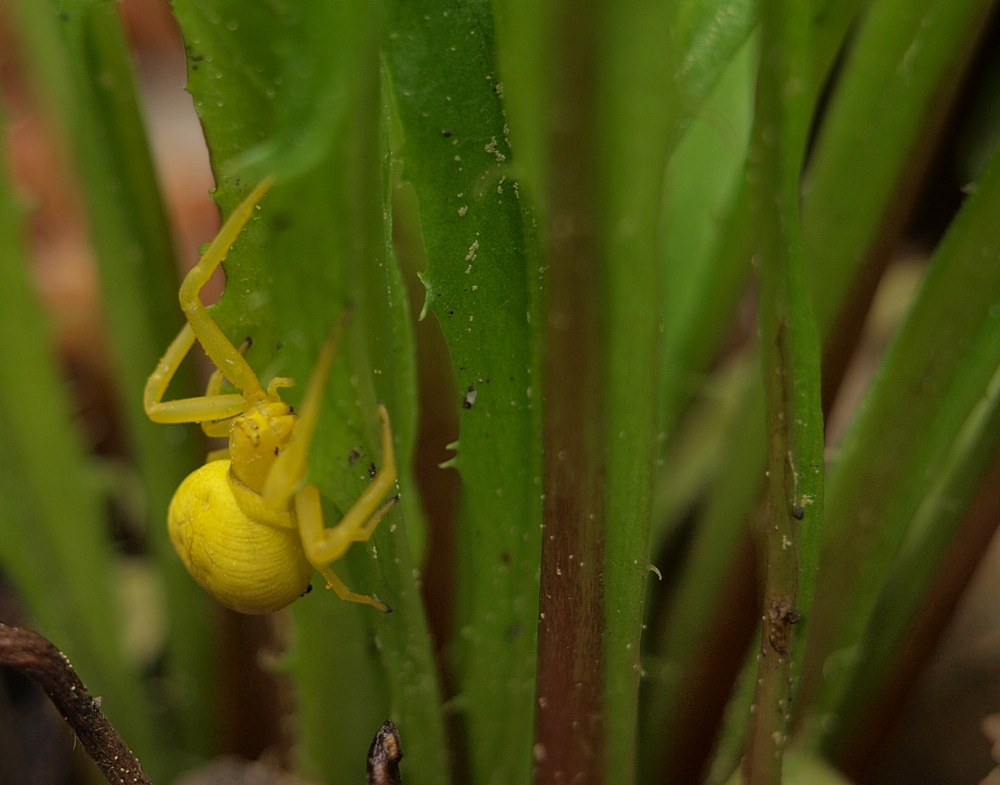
790	362
880	128
83	66
457	155
56	544
931	533
829	27
876	485
638	112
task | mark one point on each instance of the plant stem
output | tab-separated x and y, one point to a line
790	364
36	657
569	726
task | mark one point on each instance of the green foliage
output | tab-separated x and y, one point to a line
591	184
480	284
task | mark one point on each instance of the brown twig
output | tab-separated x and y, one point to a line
36	657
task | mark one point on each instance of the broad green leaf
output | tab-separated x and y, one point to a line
457	155
296	90
709	34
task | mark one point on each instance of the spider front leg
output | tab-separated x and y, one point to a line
219	429
218	347
202	409
227	358
322	545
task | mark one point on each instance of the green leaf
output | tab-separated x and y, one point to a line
829	27
637	109
297	91
704	245
876	136
893	444
957	476
456	153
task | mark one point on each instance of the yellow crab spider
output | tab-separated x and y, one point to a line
247	526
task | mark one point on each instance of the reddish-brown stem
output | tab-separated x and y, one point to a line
569	724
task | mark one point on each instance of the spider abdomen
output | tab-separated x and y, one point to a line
247	564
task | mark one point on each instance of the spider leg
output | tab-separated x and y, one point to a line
291	466
227	358
324	545
365	532
219	348
309	513
209	407
277	383
219	428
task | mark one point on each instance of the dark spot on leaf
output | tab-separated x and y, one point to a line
353	457
513	631
505	557
279	346
372	471
446	132
798	513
